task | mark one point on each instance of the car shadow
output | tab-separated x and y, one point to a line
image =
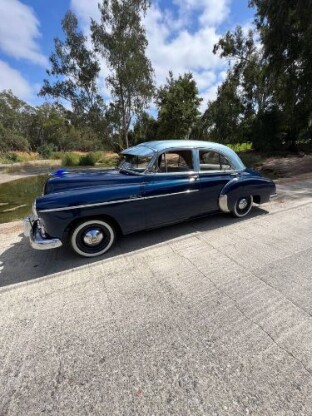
20	263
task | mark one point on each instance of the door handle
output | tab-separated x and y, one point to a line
194	178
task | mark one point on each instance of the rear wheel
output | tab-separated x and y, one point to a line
242	206
92	238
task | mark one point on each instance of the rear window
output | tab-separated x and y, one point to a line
210	160
175	161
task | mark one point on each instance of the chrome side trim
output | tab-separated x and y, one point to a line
223	203
189	191
120	201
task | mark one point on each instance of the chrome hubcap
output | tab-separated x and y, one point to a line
93	237
242	203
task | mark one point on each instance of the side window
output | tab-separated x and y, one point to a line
210	160
225	164
175	161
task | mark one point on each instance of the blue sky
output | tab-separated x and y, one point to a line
181	35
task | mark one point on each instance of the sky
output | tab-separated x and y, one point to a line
180	33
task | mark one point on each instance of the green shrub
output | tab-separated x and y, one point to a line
70	159
267	131
46	151
57	155
10	158
109	160
98	155
241	147
88	160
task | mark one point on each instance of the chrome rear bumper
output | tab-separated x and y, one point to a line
273	196
38	239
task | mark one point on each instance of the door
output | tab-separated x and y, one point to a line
171	189
215	171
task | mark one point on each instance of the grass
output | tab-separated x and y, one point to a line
75	158
241	147
106	159
14	157
99	158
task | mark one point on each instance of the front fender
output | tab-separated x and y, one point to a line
58	210
258	187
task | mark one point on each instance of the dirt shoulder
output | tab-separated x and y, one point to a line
286	167
16	171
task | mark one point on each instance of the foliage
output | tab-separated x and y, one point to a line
76	69
14	122
121	39
266	131
57	155
249	69
45	128
246	93
286	31
70	159
241	147
89	159
177	103
223	119
10	158
145	129
46	151
264	100
109	159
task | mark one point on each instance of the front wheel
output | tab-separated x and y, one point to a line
92	238
242	206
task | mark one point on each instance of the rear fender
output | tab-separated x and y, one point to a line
238	187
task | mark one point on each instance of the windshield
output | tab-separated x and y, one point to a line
135	163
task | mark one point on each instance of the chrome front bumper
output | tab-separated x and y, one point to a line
273	196
38	239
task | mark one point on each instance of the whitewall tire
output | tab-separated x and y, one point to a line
92	238
242	206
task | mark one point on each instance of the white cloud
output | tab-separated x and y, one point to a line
19	32
86	9
11	79
180	38
184	51
210	12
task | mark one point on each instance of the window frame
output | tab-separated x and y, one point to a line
207	172
172	150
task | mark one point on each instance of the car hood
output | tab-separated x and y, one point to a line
62	181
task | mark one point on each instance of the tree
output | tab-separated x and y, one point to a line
246	106
49	127
75	69
177	103
286	30
121	40
15	116
250	68
145	129
223	119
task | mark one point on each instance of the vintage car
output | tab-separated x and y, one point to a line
157	183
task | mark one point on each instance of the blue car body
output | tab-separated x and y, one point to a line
175	185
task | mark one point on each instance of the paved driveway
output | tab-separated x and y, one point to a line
211	317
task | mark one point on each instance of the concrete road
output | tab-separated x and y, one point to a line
211	317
